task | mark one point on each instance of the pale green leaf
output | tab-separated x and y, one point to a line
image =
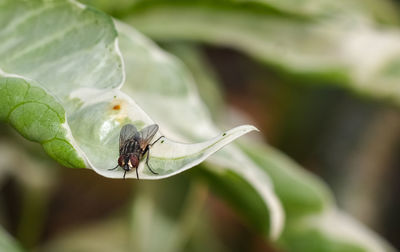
206	79
339	44
60	80
331	231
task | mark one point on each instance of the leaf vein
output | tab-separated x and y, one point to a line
23	19
37	102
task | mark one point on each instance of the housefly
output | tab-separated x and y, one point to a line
134	145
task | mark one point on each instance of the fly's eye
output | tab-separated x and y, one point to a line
121	161
134	161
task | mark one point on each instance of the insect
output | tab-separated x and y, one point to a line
134	145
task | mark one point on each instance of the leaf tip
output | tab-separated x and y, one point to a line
249	128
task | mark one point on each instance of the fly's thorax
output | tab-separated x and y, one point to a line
130	147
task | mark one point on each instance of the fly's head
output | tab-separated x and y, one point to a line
123	161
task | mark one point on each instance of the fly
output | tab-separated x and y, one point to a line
134	145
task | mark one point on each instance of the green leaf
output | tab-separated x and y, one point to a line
60	78
300	192
43	118
334	43
313	222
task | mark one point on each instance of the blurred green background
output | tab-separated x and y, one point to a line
334	113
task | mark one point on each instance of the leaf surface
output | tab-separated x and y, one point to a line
60	82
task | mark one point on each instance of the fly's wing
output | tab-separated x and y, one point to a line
127	133
145	135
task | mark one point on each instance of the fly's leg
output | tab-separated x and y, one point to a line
148	155
156	141
124	174
137	174
113	168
